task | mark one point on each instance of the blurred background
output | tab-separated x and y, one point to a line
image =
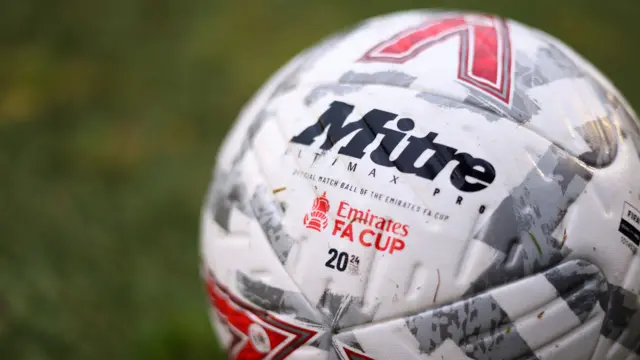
111	112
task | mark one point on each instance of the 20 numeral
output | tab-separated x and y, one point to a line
339	260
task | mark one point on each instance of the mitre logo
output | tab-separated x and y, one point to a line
470	173
317	219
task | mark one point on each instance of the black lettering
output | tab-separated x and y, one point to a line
469	175
382	154
432	167
333	120
436	191
470	167
334	254
459	200
341	260
371	124
395	178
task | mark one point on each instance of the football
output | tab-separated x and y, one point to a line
428	185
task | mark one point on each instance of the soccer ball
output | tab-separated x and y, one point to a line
428	185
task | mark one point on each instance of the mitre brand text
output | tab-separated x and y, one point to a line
381	233
469	175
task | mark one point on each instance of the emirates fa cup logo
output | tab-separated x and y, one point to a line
316	219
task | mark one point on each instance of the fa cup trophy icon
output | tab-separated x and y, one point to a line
316	219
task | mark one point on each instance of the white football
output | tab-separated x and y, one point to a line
428	185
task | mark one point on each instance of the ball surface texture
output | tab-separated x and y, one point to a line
428	185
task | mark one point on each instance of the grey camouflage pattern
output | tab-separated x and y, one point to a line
277	300
522	225
481	328
484	331
582	286
550	64
226	192
342	311
622	319
353	81
269	215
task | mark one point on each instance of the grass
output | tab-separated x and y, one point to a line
110	115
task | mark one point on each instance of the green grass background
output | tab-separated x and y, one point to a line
111	112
